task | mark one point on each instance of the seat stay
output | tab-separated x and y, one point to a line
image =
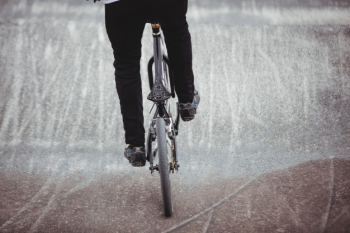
158	93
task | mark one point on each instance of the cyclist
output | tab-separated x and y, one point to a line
125	22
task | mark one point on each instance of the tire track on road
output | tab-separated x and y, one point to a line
325	217
219	203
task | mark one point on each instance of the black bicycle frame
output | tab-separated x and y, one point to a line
159	94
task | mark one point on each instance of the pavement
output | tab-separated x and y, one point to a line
268	151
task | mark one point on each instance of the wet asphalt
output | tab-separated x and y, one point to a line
268	151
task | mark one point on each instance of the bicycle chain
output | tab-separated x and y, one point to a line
172	163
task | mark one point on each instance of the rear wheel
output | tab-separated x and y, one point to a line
164	167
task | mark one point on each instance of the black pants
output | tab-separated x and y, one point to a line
125	22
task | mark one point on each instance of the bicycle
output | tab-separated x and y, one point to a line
163	129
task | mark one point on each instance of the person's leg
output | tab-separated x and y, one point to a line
125	26
179	47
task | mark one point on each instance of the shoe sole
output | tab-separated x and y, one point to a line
187	118
139	164
186	115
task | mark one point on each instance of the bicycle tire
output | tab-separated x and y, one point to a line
164	168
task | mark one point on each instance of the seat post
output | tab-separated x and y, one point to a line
155	29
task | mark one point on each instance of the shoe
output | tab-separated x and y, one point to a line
136	155
188	110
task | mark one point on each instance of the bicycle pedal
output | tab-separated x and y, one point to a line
176	166
152	168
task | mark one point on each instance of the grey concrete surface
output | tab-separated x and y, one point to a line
268	151
311	197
